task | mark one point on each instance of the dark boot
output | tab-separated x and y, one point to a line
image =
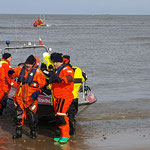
1	110
33	134
18	133
72	132
72	128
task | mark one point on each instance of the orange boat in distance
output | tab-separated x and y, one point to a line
39	22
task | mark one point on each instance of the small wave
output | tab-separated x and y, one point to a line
117	110
17	27
139	38
118	116
15	42
50	25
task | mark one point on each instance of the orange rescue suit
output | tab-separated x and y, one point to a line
2	82
23	96
8	81
63	98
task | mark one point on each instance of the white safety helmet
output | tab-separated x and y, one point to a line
45	54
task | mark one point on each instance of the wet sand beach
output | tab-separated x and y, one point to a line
114	126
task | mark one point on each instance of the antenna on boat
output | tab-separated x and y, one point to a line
16	32
44	18
41	43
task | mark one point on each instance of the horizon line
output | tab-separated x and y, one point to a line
67	14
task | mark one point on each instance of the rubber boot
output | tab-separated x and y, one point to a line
57	139
18	133
72	128
33	134
63	140
1	110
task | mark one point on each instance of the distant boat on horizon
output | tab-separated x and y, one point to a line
39	22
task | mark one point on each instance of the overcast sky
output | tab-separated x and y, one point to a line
75	7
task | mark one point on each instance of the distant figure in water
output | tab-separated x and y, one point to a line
40	21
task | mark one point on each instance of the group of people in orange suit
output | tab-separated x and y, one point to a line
30	83
38	22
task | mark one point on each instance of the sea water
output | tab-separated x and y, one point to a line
114	51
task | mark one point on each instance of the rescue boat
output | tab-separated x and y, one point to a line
45	108
35	24
39	22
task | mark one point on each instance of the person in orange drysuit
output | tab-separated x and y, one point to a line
35	23
39	21
62	87
79	78
30	82
5	81
2	83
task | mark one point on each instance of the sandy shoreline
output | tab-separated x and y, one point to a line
120	139
129	139
120	125
98	128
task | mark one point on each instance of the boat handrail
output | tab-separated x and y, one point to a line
26	47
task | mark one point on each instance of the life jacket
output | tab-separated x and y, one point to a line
8	82
29	78
78	79
78	75
2	82
63	89
7	63
3	61
59	69
47	61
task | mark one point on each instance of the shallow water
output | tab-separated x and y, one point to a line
106	126
113	50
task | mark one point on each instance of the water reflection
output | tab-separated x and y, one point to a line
3	143
65	146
